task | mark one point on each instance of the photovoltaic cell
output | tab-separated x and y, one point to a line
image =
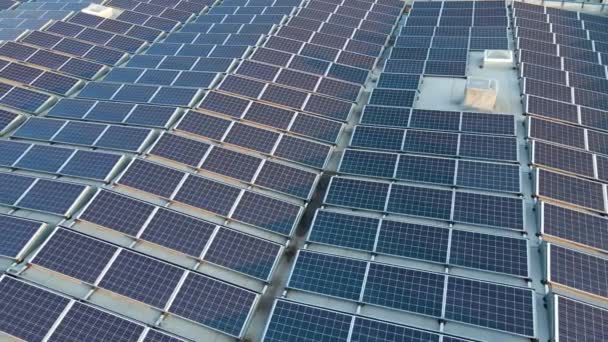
52	196
151	177
413	241
419	201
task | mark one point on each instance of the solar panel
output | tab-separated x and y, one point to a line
368	163
207	195
367	329
488	147
232	164
117	212
418	201
357	194
565	159
141	278
13	186
243	253
302	151
576	321
286	179
38	129
267	213
561	222
52	197
292	321
569	189
434	119
431	142
213	303
491	252
500	177
179	232
44	158
180	149
22	304
493	211
152	178
413	241
576	270
85	323
404	289
329	275
75	255
490	305
377	138
343	230
17	232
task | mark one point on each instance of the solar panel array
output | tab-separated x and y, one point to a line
561	57
165	165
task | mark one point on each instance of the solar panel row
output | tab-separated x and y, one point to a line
39	194
445	205
114	112
260	140
290	321
210	195
274	117
62	319
460	173
469	122
85	134
435	244
501	307
436	143
240	166
59	160
68	65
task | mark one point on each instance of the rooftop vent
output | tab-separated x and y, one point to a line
480	93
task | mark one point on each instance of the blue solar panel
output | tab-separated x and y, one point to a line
328	275
357	194
490	305
75	255
413	241
243	253
404	289
22	304
419	201
117	212
213	303
16	233
44	158
86	323
141	278
52	196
